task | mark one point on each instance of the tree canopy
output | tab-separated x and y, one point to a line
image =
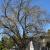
21	22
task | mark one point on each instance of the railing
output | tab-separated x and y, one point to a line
44	48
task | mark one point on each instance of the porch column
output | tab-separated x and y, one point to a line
31	45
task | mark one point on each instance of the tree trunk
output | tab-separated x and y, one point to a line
22	48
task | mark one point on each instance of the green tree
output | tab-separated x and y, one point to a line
1	45
4	49
7	42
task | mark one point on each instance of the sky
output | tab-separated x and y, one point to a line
1	31
45	4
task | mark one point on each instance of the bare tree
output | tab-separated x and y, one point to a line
22	20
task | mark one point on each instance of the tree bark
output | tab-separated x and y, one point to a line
22	48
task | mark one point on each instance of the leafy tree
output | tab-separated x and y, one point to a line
48	39
1	45
48	32
7	42
21	21
4	49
